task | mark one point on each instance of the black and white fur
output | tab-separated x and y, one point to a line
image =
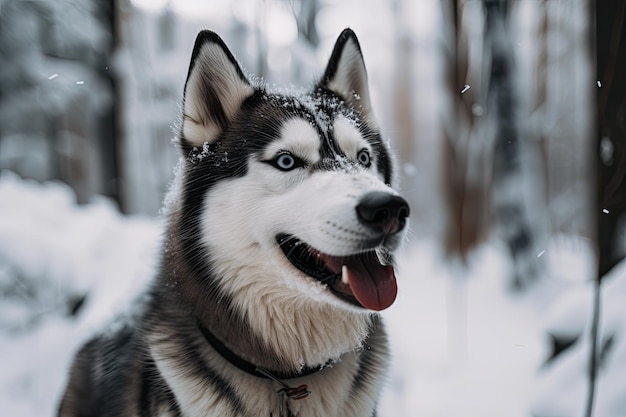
263	172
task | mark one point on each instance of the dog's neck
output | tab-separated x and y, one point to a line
250	368
303	332
287	335
275	330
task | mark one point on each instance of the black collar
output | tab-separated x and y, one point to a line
249	367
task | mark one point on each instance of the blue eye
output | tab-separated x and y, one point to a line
363	157
286	161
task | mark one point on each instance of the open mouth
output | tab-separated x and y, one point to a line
361	279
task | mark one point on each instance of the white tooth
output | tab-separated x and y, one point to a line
344	274
384	257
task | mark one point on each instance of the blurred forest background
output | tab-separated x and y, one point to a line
508	118
91	92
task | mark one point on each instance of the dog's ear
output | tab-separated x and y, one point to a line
214	91
346	76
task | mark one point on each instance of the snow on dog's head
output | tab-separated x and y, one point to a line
286	196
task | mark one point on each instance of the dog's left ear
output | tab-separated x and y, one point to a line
214	91
346	76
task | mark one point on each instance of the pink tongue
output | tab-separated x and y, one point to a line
373	284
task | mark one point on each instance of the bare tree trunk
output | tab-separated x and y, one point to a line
610	208
108	121
305	19
518	201
494	164
465	168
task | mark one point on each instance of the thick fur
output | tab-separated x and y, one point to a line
223	269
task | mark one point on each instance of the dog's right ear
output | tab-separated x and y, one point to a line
346	74
214	91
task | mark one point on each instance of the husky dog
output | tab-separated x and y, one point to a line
278	254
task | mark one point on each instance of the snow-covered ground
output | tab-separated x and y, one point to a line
463	345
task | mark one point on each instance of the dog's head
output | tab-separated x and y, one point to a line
288	193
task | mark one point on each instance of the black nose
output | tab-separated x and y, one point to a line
383	212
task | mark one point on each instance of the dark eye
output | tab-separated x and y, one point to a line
286	162
364	158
